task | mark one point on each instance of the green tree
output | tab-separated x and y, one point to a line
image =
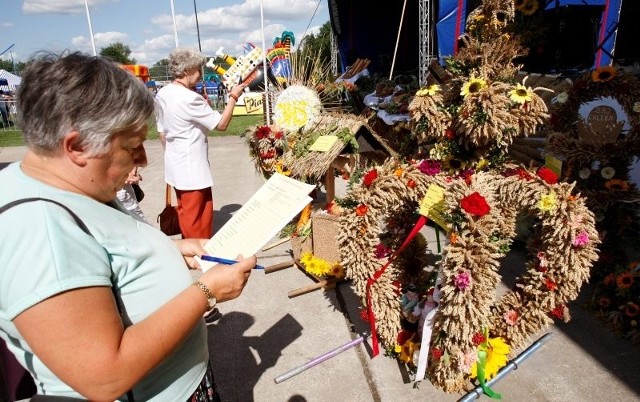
160	70
118	52
11	66
319	44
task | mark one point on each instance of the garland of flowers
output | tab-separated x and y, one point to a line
266	147
481	210
600	83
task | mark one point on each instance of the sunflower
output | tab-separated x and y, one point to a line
603	74
473	86
521	94
625	280
430	90
617	185
497	353
529	7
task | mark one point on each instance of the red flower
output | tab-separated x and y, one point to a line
450	134
370	177
478	338
475	204
263	132
631	309
403	336
278	135
604	302
551	285
361	210
411	183
558	312
436	353
547	175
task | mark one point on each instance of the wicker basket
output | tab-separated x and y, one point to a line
325	233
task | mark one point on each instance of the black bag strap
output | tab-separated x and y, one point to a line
82	226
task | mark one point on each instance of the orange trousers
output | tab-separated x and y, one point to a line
195	213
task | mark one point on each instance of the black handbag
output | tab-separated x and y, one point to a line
168	218
137	190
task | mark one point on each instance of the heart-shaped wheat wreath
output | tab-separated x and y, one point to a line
561	251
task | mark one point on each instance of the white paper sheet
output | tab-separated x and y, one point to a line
274	205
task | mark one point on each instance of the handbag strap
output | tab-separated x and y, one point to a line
167	196
84	228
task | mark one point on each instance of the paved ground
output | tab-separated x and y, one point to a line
264	334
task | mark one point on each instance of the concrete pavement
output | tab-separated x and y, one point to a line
264	334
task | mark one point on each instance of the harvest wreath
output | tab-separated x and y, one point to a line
480	211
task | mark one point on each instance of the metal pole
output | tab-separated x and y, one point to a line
195	10
93	43
175	27
477	391
395	51
318	360
265	69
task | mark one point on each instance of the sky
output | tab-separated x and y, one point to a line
147	28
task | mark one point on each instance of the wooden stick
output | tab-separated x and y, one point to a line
276	243
325	283
278	267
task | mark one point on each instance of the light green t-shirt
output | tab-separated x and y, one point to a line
44	252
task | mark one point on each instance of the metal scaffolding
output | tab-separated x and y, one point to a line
425	52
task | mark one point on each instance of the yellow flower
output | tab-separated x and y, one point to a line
521	94
280	168
547	202
406	352
314	265
473	86
430	90
481	164
497	352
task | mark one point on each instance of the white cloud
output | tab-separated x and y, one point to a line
104	39
59	6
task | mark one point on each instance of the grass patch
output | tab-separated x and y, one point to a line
237	126
10	138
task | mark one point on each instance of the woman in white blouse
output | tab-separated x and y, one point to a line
184	121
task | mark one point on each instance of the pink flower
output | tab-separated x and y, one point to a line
581	240
462	280
429	167
382	251
510	317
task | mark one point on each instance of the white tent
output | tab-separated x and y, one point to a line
12	80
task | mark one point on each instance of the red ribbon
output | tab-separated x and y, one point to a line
370	315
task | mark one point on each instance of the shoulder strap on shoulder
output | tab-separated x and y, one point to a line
31	199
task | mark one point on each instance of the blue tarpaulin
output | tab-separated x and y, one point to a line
452	15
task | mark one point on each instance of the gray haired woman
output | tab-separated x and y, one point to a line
184	121
108	305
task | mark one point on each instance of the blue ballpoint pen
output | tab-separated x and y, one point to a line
224	261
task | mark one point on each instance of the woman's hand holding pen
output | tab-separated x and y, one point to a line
226	282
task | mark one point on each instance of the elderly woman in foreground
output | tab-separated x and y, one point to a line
93	302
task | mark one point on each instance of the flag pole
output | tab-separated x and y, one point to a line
93	43
265	69
175	27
